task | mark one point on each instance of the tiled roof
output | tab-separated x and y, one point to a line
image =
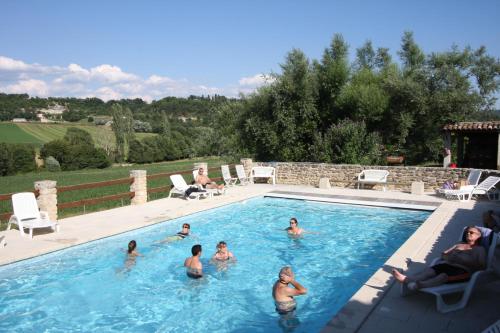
493	126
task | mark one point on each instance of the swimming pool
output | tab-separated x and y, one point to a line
86	288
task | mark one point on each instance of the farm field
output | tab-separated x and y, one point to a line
40	133
24	182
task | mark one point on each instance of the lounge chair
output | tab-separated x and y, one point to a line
27	214
242	177
483	188
489	241
180	187
212	191
226	174
472	180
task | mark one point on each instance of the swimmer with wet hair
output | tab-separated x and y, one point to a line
194	268
132	254
294	229
223	254
283	294
180	235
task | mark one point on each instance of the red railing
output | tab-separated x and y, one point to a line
119	196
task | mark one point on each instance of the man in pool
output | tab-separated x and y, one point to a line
283	294
194	269
180	235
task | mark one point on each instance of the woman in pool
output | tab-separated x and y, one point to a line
223	254
294	229
180	235
457	264
132	254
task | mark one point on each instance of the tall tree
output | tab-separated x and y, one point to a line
123	128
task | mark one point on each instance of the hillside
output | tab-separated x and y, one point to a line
40	133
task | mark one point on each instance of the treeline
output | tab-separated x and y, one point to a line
193	108
334	110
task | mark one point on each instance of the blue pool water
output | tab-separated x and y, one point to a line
87	289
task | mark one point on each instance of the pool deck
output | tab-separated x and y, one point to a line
376	307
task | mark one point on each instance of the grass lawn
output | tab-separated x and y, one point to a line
24	182
40	133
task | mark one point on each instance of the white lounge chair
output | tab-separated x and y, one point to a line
242	177
472	180
28	216
212	191
226	175
490	240
180	187
483	188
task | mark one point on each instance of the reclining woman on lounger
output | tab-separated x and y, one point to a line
456	264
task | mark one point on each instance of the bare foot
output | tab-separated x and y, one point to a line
398	275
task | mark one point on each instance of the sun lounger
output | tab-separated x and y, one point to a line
226	175
472	181
180	187
242	177
486	187
27	214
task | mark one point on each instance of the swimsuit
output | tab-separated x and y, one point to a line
454	273
182	235
285	307
193	273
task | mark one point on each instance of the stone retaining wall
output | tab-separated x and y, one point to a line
400	177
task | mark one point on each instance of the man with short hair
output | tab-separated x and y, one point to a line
203	180
194	269
283	294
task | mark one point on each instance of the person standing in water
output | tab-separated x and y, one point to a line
223	254
194	268
283	294
294	229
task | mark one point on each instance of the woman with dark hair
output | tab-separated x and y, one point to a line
132	253
456	264
294	229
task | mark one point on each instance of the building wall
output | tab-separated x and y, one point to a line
400	177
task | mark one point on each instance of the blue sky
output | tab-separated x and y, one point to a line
152	49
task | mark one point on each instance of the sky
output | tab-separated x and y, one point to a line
146	49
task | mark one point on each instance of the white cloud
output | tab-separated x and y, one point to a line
31	87
107	82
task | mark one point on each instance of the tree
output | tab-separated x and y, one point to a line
76	136
123	128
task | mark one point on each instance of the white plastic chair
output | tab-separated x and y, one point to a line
472	181
484	188
28	216
212	191
242	177
180	187
483	276
226	175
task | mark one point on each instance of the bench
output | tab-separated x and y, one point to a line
263	172
373	177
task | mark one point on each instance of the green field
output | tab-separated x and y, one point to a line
24	182
11	133
40	133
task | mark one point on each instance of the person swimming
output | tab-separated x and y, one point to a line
294	229
194	268
132	254
222	254
180	235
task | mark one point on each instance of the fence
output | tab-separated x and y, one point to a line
46	191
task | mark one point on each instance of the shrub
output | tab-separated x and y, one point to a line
16	158
52	164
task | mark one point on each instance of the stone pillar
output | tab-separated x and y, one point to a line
324	182
203	165
47	197
247	165
139	186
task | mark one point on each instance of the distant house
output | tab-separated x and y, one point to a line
19	120
43	119
53	109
